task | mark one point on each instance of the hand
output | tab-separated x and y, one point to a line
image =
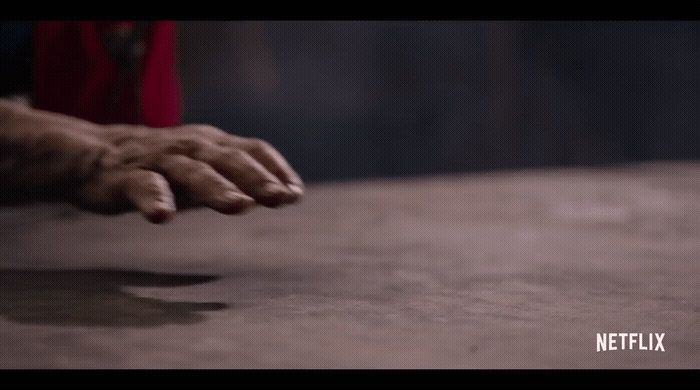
118	168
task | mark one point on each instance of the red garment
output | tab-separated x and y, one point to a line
74	74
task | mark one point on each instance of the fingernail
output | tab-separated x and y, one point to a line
237	197
297	181
296	189
165	204
236	203
275	188
160	215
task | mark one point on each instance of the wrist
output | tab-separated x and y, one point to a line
42	153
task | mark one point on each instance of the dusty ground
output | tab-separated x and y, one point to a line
516	269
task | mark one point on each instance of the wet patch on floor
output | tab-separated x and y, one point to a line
96	297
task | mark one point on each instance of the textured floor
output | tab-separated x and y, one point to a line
517	269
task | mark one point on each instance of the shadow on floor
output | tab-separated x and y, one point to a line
96	298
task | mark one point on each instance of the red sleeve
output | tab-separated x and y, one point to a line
74	74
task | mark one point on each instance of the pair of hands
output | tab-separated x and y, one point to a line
117	168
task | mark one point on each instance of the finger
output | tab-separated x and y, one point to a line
204	184
274	162
250	176
259	149
150	193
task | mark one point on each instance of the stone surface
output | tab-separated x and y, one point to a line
512	269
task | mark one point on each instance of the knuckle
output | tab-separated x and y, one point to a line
183	164
234	155
174	161
158	184
153	178
199	167
187	145
204	129
132	155
259	145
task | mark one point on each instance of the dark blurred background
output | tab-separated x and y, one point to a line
363	99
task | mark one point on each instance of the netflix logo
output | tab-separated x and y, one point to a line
630	341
